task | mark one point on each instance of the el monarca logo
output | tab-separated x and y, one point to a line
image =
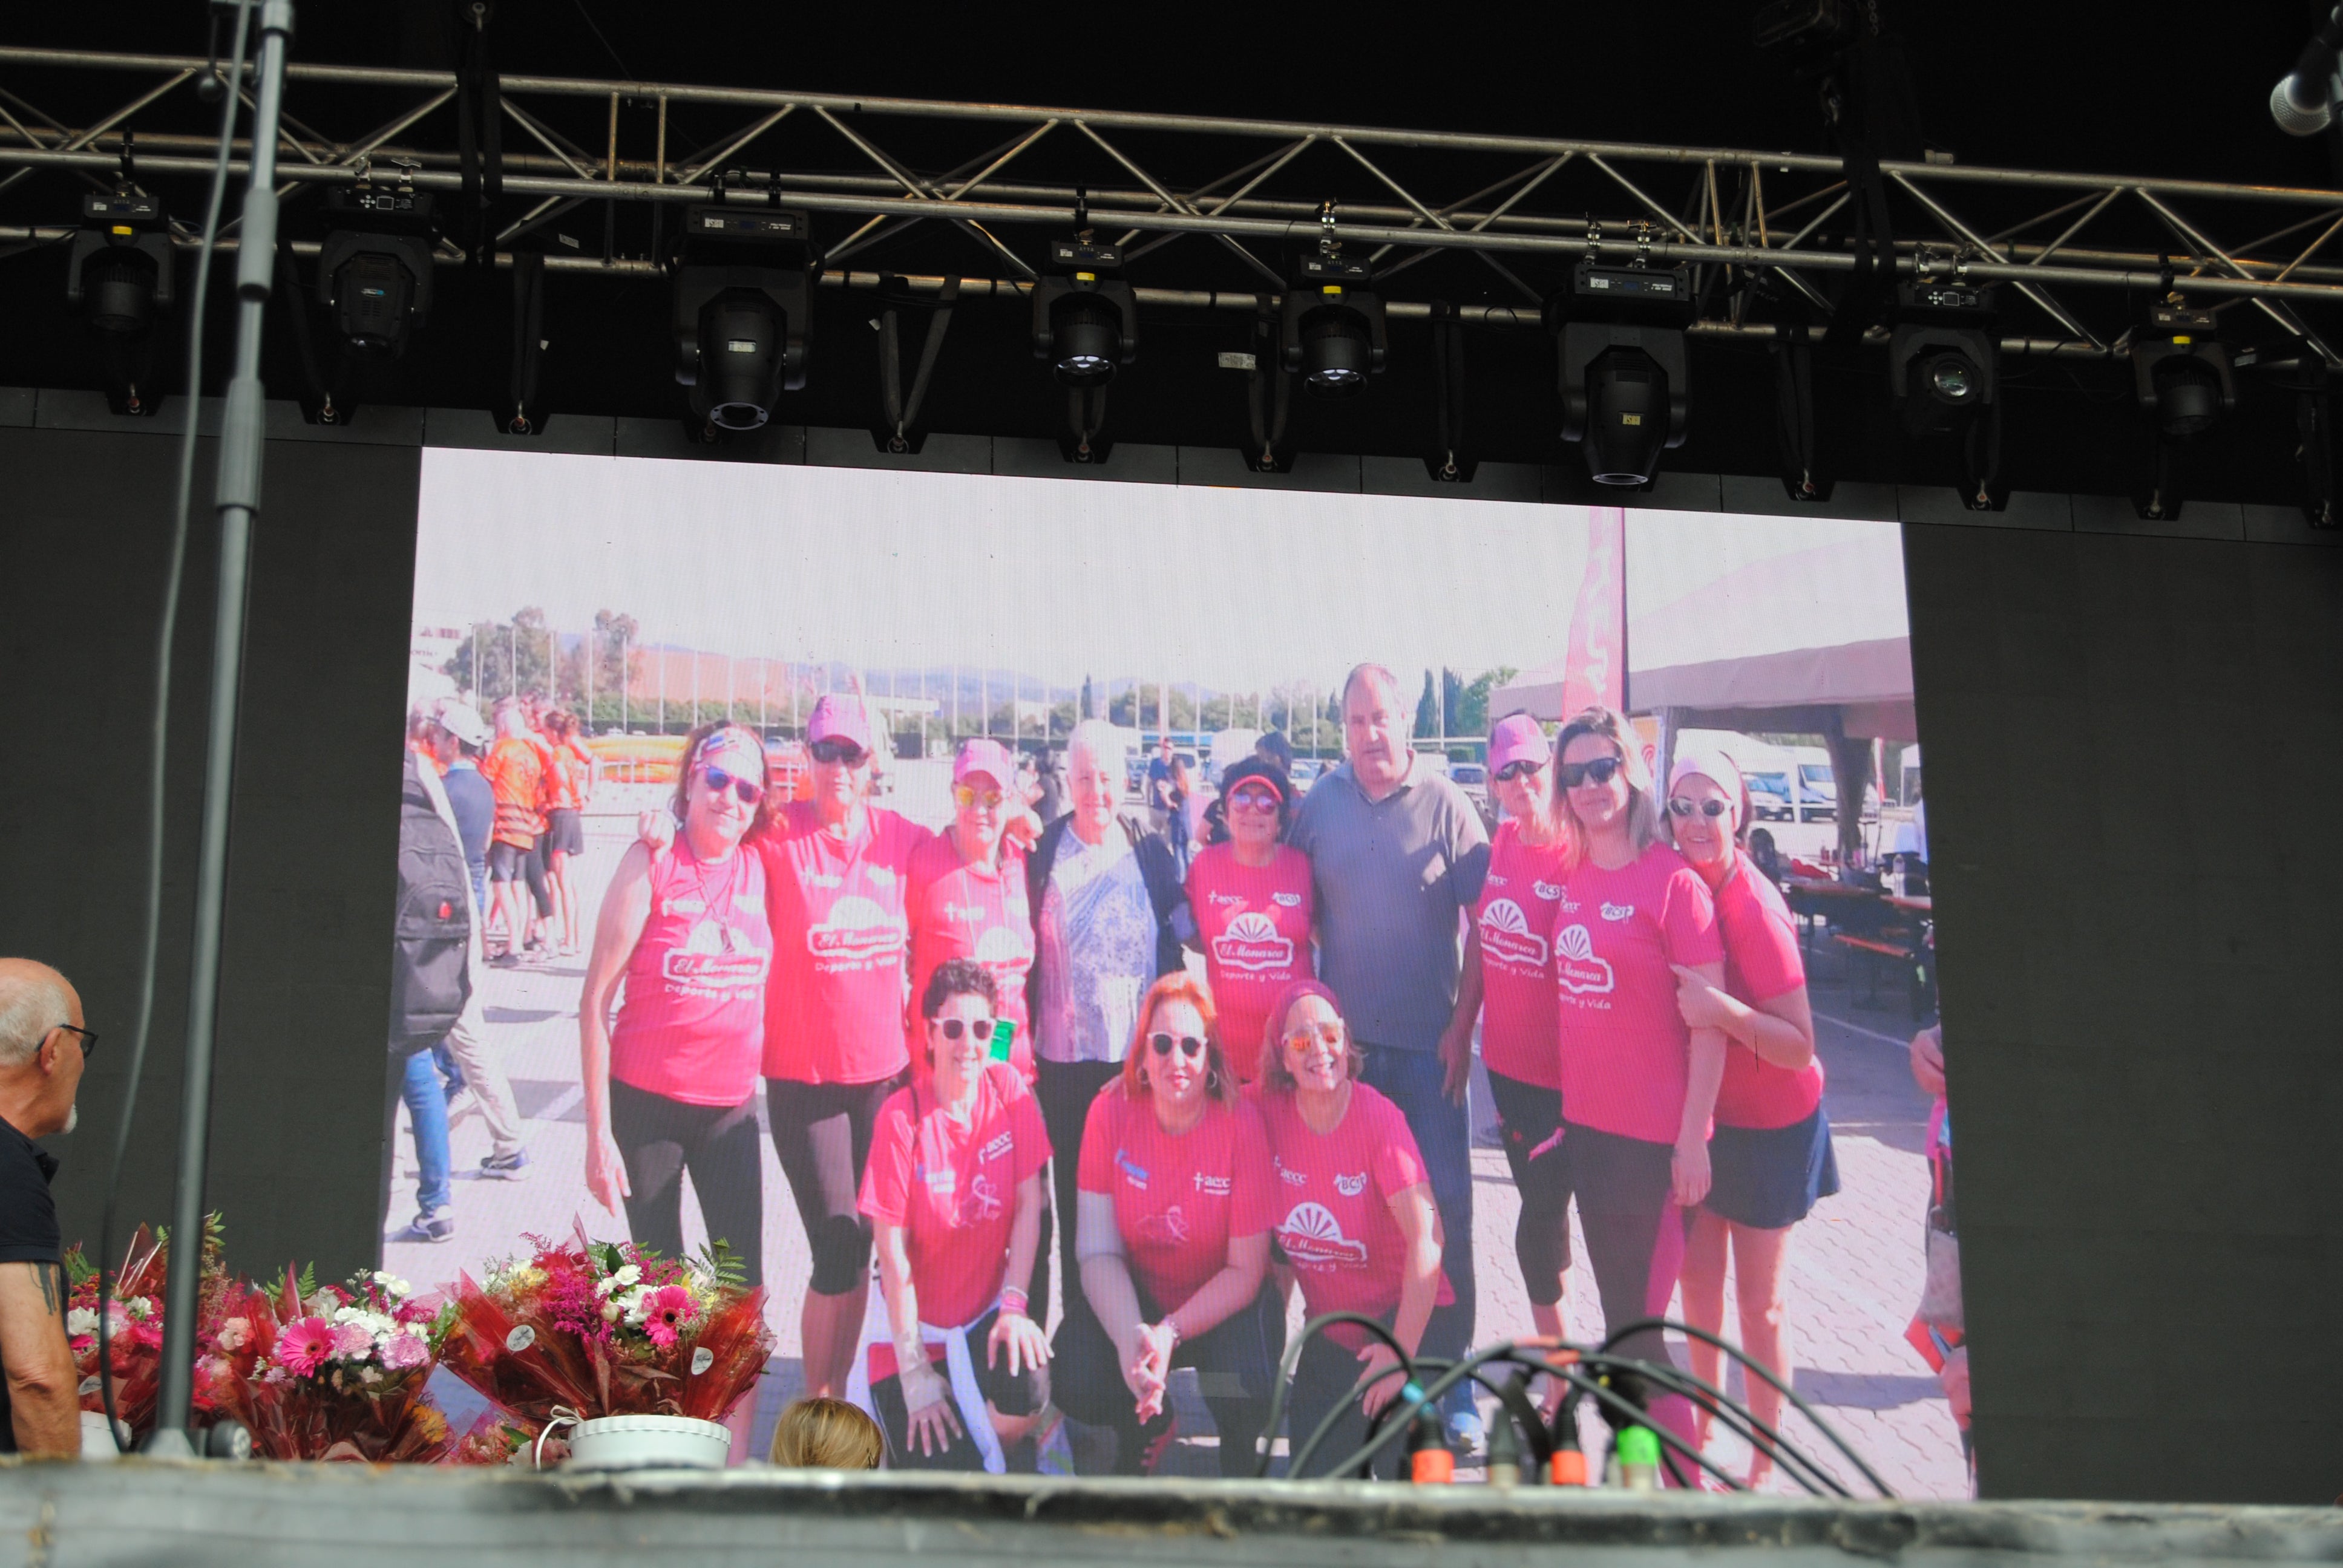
1576	965
1313	1238
1252	942
713	954
1505	935
858	928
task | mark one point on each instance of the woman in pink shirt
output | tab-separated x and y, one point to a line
1770	1157
1250	893
670	1086
1356	1221
1175	1206
954	1190
967	895
1637	1082
1506	984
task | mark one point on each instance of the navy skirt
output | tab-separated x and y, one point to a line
1769	1177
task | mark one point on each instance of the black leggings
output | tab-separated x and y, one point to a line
1323	1378
1634	1231
1235	1363
661	1139
532	863
821	1131
1528	1117
1022	1394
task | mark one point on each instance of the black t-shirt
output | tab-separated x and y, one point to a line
28	1226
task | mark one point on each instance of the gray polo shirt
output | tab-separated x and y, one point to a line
1393	877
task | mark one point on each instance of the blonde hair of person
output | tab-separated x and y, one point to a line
827	1434
1642	800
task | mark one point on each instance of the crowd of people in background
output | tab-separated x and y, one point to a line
994	1080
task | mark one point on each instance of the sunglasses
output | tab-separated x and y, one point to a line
88	1037
1190	1046
837	751
748	790
953	1028
1711	808
1309	1035
969	795
1521	768
1254	799
1599	772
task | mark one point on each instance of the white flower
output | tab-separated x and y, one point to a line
81	1320
399	1289
623	1279
139	1307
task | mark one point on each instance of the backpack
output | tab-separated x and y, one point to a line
432	935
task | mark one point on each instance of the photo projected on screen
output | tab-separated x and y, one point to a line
1108	921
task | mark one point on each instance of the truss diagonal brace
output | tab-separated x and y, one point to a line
1176	204
2038	295
1433	218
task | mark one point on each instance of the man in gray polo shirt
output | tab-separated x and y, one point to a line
1397	854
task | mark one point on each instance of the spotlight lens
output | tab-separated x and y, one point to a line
1336	352
1952	379
1086	332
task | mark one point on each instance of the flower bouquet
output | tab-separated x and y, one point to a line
132	1336
588	1330
337	1374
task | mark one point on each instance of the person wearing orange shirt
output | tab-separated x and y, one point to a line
514	769
570	786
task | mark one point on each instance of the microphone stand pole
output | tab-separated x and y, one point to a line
237	497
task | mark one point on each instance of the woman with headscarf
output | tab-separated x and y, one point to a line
1252	898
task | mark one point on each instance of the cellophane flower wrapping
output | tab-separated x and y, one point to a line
337	1372
601	1329
134	1336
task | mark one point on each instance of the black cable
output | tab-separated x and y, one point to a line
1389	1425
177	562
1762	1370
1632	1413
1738	1417
1292	1358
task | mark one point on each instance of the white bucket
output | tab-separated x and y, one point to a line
650	1442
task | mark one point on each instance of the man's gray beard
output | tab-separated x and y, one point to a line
72	1117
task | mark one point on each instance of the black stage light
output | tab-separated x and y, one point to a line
374	268
2181	368
1085	317
1332	325
120	276
1622	371
1941	356
743	304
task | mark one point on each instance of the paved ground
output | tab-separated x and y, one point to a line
1856	1263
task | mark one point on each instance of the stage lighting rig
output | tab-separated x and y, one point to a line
1941	356
1331	329
1622	370
743	310
374	268
2181	368
119	275
1085	316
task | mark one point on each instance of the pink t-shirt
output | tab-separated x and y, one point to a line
1515	919
1254	921
692	1021
834	1011
1334	1203
1761	962
1177	1200
1626	1052
978	911
953	1188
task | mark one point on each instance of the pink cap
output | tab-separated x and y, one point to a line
1517	738
1709	763
989	758
837	718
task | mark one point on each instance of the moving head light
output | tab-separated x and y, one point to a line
743	308
1621	370
1332	325
1085	316
374	268
119	276
2181	370
1942	356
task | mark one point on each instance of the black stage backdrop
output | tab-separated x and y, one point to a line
2133	743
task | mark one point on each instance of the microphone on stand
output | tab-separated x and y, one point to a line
2303	102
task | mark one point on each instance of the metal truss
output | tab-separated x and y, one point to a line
903	175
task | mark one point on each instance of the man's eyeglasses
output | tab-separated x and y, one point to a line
969	795
1599	772
838	751
88	1037
1711	808
1190	1046
748	790
952	1028
1521	767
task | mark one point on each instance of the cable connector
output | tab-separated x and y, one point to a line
1430	1462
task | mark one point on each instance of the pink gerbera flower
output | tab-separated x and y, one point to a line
304	1345
665	1311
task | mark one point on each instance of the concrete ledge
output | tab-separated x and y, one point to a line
267	1516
